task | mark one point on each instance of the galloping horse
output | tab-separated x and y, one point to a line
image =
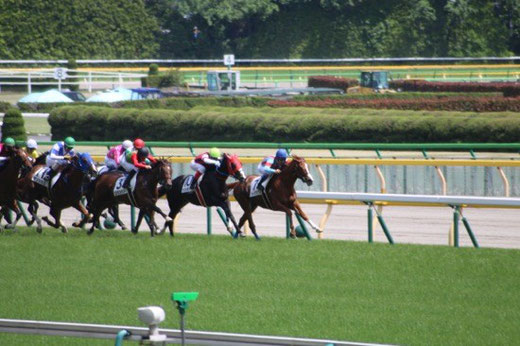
280	193
18	160
144	195
213	190
64	193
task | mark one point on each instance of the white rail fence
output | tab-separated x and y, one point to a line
101	331
85	79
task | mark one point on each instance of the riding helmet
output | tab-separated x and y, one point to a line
127	144
31	144
143	152
214	152
9	142
70	142
138	143
281	154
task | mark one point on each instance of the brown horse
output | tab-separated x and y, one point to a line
145	194
280	194
66	192
18	160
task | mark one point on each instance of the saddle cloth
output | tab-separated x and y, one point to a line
118	187
254	186
186	184
43	175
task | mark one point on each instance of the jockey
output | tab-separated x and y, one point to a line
204	161
139	159
31	149
5	149
60	154
271	165
115	154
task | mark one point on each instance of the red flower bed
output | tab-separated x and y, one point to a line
331	82
465	104
508	89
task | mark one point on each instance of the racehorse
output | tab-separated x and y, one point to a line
213	190
144	196
66	192
18	160
280	194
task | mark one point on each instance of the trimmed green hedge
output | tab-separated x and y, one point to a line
4	106
13	125
284	125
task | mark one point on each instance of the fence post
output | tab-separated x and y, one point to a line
132	217
370	223
287	227
208	220
302	225
456	226
29	88
24	214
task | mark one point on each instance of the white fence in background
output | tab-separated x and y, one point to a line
88	80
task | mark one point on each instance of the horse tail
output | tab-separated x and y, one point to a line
232	185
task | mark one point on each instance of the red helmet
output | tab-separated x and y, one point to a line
138	143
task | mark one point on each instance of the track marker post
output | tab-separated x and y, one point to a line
181	299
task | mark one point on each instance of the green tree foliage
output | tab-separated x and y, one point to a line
58	29
13	125
258	29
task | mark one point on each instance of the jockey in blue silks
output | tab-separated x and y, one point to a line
271	165
60	154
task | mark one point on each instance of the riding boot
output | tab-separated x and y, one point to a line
195	179
129	177
261	182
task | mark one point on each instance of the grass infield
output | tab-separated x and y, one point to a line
401	294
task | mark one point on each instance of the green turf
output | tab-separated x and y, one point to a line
403	294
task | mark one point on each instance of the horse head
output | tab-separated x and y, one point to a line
300	168
84	163
164	172
233	166
21	155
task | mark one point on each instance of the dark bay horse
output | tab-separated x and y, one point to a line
212	186
280	193
9	173
145	194
66	192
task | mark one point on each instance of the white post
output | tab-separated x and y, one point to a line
120	80
89	81
59	84
29	82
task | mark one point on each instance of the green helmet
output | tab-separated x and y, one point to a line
214	152
70	142
9	142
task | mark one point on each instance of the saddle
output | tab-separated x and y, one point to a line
186	188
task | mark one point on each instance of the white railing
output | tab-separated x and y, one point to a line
102	331
89	79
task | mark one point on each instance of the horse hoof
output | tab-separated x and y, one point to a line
64	229
39	229
90	231
318	230
76	224
134	231
124	228
242	235
9	226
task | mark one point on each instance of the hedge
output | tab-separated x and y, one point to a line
394	95
462	104
508	89
331	82
283	125
13	125
4	106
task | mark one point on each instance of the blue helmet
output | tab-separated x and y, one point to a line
281	154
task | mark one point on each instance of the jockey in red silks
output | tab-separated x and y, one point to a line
204	161
139	159
115	154
271	165
5	149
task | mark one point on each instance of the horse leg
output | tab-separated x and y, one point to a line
168	220
96	212
229	216
139	220
33	210
304	216
56	214
151	223
287	212
114	211
14	207
87	217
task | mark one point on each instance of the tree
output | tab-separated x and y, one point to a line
13	125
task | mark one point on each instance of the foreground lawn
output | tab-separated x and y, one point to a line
403	294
